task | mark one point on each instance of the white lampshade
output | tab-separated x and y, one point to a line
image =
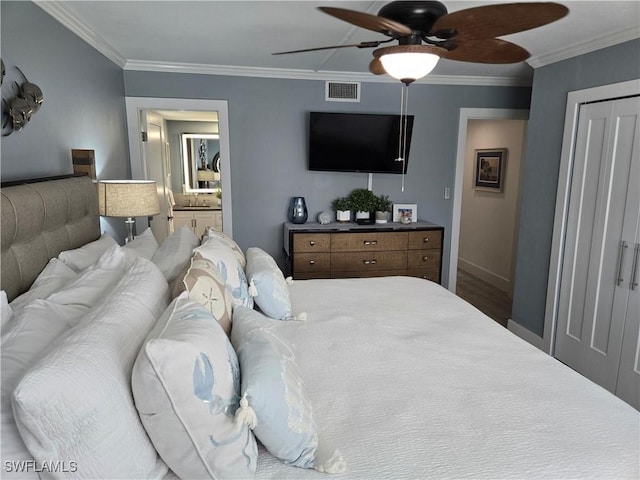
128	198
408	63
409	66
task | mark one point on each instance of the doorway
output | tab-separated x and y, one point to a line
482	243
138	108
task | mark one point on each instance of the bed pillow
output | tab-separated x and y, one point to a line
175	252
34	330
144	245
6	313
206	286
212	232
76	402
268	285
80	258
222	256
186	383
52	278
274	401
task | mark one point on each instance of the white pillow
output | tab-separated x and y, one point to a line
76	403
186	383
80	258
34	330
144	245
95	282
268	286
174	254
6	313
54	276
223	257
212	232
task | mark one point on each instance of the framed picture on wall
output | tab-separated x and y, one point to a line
489	169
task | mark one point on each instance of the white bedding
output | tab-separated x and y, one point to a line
409	381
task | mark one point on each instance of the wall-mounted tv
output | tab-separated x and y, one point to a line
357	142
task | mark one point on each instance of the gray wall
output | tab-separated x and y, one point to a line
542	163
83	101
268	122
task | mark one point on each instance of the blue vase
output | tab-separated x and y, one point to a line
298	210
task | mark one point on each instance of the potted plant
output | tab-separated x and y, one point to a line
383	207
364	202
342	206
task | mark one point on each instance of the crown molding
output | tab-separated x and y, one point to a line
75	24
587	47
283	73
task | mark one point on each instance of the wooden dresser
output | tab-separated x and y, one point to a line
351	250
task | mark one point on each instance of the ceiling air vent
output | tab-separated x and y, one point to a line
342	91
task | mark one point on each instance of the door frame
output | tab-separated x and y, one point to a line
467	114
134	107
574	100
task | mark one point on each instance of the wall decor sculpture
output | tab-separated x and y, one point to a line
21	102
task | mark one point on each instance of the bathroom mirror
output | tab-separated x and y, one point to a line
201	162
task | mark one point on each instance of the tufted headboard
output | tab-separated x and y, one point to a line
41	218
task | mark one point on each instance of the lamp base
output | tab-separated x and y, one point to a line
130	222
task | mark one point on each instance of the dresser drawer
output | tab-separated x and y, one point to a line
423	258
311	262
311	242
364	261
369	273
432	274
425	239
365	242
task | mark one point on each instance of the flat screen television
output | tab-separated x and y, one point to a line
357	142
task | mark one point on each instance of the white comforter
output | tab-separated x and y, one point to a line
409	381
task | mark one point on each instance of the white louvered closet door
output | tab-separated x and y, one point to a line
596	294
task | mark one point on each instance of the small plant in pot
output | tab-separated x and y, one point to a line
383	208
364	202
342	206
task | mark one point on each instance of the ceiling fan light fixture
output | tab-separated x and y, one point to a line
409	66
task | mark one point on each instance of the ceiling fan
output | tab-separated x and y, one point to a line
426	32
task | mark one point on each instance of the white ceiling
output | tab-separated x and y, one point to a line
239	37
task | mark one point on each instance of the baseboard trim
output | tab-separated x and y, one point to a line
526	334
493	279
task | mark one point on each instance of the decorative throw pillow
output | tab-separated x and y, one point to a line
52	278
274	402
206	286
186	383
80	258
76	402
212	232
268	286
223	257
144	245
175	252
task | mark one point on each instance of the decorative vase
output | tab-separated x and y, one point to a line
298	210
382	217
365	218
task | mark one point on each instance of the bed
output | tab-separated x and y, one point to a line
402	378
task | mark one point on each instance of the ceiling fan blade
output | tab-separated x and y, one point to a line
487	50
376	67
492	21
368	21
372	44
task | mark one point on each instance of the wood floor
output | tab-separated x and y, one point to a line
488	299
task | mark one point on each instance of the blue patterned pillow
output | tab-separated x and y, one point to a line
274	402
267	285
186	385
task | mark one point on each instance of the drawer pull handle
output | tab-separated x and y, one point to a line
369	262
426	240
425	258
312	243
312	262
370	242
